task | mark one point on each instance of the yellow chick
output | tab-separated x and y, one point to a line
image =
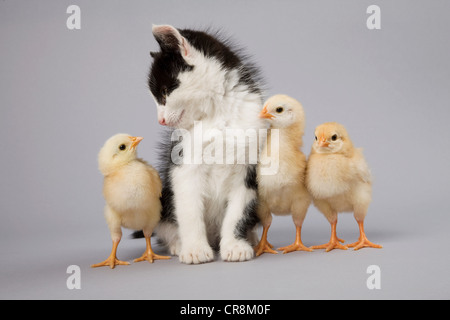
283	192
132	190
339	180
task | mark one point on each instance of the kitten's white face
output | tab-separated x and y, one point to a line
192	99
182	80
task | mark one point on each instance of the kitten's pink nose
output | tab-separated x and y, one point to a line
162	122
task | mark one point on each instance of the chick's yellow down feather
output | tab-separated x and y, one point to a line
339	180
132	191
283	192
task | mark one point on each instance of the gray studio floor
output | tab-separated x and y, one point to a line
413	265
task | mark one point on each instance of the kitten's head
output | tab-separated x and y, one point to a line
190	73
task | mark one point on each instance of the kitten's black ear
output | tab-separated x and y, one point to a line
170	39
153	54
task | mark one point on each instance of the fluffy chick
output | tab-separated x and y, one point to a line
283	191
132	190
339	180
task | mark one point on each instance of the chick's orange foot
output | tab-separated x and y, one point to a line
111	262
297	245
149	255
264	247
333	244
363	241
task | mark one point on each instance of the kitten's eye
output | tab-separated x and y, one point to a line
164	91
334	137
279	109
164	95
315	137
122	147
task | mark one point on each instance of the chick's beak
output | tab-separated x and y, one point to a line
265	114
323	142
135	141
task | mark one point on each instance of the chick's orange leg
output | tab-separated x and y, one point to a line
112	260
149	255
298	244
264	245
363	241
334	241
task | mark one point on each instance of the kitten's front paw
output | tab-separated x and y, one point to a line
236	250
196	254
174	248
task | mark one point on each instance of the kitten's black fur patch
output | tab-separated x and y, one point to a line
250	217
164	167
248	221
250	179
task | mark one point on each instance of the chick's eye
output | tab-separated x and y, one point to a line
279	109
334	137
122	147
315	137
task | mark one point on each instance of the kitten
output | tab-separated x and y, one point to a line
197	81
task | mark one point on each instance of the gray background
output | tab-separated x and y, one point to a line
64	92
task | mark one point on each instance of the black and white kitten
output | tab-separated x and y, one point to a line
203	91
